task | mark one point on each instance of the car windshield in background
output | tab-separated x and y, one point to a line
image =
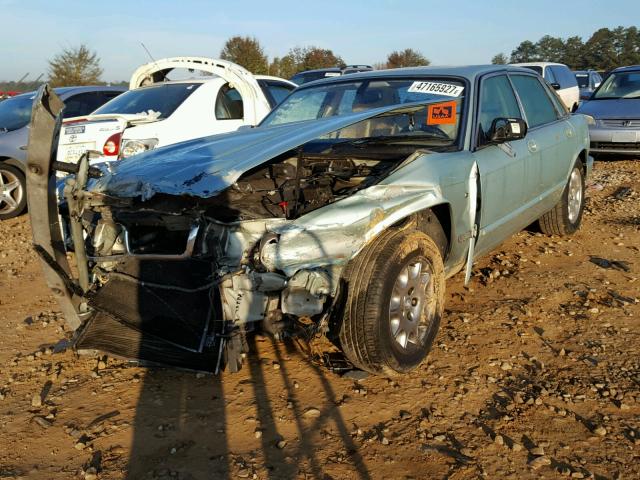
438	122
15	113
159	100
583	80
619	85
535	68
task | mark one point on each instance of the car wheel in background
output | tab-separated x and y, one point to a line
565	217
395	299
13	198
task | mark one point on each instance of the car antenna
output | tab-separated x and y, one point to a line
164	77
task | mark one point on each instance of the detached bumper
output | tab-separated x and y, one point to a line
621	140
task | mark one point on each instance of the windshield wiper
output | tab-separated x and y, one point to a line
394	138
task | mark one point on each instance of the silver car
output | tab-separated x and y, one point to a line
615	107
341	214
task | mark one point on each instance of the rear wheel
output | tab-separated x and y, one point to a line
566	216
395	300
13	198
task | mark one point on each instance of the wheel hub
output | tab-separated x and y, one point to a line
11	192
411	303
574	195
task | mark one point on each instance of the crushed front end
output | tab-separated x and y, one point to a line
181	279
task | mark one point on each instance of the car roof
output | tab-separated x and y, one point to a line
471	72
320	70
628	68
65	91
271	77
537	64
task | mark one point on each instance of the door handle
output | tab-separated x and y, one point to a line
532	146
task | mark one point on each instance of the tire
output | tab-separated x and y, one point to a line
13	191
375	289
566	216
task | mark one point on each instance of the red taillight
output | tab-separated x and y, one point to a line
75	120
112	145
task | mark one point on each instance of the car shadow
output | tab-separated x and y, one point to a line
192	426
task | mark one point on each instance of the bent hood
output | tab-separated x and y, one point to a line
609	109
206	166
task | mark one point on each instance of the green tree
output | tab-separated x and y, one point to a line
550	49
300	59
573	53
499	59
74	66
246	51
406	58
600	50
525	52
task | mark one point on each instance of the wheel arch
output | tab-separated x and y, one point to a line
14	163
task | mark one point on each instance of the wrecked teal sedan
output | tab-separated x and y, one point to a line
342	214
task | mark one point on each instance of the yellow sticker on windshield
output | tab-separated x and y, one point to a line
441	113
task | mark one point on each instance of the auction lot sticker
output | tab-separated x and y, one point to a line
441	113
437	88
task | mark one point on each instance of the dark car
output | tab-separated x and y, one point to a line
615	107
15	116
313	75
588	81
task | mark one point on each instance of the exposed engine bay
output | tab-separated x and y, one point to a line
195	273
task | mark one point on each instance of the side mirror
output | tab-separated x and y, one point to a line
555	86
506	130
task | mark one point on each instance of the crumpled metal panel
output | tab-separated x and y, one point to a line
206	166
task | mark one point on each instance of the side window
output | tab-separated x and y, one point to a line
549	76
229	104
564	76
81	104
537	105
497	100
278	91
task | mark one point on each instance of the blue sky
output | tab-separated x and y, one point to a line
448	33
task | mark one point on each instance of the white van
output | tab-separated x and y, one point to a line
558	76
156	112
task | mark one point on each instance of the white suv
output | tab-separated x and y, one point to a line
558	76
156	112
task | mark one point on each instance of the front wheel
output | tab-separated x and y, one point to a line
566	216
395	300
13	198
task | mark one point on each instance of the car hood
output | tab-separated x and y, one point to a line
206	166
614	108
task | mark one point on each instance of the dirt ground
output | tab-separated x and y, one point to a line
535	374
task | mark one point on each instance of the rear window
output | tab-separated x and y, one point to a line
583	80
161	100
536	103
15	112
535	68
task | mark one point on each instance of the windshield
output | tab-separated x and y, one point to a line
343	98
15	112
619	85
158	100
583	80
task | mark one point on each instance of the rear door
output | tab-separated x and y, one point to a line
546	141
504	184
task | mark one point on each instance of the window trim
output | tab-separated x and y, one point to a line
475	138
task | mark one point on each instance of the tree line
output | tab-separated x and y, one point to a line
605	50
81	66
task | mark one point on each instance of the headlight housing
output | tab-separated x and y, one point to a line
134	147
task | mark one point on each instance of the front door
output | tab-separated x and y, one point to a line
504	185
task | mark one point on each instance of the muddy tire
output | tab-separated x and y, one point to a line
394	302
566	216
13	193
